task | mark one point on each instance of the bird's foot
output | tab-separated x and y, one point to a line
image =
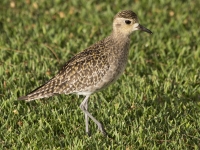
88	133
101	128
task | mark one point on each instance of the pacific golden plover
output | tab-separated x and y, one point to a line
94	68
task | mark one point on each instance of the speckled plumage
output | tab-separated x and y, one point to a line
94	68
127	14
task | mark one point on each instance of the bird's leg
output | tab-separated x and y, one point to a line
86	118
99	104
84	106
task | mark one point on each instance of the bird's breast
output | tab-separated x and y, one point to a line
117	61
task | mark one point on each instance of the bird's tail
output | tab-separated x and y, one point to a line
44	91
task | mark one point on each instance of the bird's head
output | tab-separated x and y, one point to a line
125	22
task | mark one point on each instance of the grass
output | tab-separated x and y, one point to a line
154	105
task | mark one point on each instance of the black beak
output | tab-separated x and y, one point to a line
140	27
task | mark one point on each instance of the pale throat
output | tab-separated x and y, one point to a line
120	37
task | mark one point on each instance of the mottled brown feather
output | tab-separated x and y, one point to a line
126	14
84	69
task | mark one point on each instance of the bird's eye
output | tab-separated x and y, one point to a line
127	21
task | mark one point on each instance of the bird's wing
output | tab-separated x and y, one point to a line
85	68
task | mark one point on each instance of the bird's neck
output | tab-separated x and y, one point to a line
120	37
120	45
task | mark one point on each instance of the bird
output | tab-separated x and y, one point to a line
94	68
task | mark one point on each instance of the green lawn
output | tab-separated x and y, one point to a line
154	105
